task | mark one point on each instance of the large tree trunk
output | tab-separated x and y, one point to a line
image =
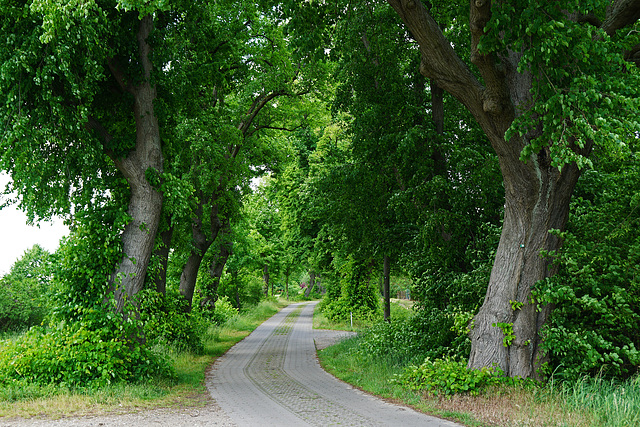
537	195
145	202
506	330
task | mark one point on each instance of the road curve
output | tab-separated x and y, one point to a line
272	378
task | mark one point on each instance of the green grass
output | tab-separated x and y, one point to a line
400	309
609	403
590	402
374	376
187	389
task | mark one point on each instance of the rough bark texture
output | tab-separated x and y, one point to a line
201	241
537	195
145	203
217	266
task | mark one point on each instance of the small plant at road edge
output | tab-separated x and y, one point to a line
449	377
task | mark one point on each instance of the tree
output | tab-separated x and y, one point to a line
77	91
542	80
230	136
25	290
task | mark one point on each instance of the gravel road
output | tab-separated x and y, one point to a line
271	378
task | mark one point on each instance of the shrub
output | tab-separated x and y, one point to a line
79	354
224	311
594	328
244	287
166	319
450	376
425	334
356	294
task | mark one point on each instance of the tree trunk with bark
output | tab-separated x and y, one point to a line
312	284
537	195
536	200
265	277
201	242
217	266
145	203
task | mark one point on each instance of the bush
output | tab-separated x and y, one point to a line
247	288
356	294
79	354
224	311
424	334
450	376
594	328
166	320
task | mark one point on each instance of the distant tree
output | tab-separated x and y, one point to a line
25	291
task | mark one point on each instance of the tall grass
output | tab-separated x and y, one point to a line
186	389
609	402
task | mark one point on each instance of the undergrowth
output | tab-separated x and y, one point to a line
184	388
443	386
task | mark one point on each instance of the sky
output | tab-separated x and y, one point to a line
16	236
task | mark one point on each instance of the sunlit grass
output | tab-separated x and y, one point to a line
400	309
609	403
374	376
187	389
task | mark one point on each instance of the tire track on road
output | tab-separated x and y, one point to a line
272	377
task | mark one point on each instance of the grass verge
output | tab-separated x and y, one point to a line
590	402
187	390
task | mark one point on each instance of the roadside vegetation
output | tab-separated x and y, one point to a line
183	387
376	361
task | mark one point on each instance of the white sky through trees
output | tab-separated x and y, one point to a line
16	236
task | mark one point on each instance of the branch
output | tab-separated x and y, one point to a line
439	61
258	104
633	55
590	18
623	13
282	128
120	77
496	96
103	133
144	31
106	137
